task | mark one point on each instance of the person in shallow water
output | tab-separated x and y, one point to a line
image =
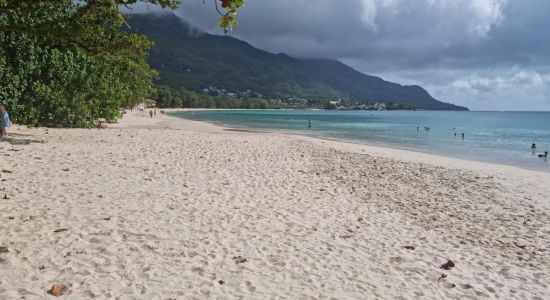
462	135
533	148
545	155
309	124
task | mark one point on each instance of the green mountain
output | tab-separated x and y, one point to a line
195	60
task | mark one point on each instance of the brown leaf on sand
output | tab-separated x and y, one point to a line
58	290
239	259
66	169
448	265
226	183
409	247
443	276
7	171
61	230
359	219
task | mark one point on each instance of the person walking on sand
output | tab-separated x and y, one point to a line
150	113
5	122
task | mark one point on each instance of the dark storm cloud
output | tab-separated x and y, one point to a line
487	54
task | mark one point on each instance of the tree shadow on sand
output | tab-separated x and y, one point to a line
21	139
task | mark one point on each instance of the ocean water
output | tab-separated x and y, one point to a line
496	137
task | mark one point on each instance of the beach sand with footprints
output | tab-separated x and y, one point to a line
165	208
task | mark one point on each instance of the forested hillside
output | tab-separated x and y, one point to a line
187	58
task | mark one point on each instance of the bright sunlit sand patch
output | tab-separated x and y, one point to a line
166	208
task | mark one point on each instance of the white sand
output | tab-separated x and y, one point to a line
158	208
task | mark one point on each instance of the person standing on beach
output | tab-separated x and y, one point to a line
5	122
151	113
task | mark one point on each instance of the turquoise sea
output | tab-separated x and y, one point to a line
496	137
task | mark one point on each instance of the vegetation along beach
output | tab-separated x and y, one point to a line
163	149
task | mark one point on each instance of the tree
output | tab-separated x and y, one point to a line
93	25
68	63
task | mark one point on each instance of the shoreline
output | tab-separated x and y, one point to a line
396	152
173	208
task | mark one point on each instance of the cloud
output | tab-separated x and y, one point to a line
491	82
474	48
488	89
476	17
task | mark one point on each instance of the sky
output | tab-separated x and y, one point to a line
483	54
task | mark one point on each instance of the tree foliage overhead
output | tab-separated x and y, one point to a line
69	63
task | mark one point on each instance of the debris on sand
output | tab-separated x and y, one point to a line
409	247
519	245
239	259
60	230
58	290
448	265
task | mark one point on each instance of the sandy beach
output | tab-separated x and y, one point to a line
167	208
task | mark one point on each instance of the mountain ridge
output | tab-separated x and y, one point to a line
189	58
